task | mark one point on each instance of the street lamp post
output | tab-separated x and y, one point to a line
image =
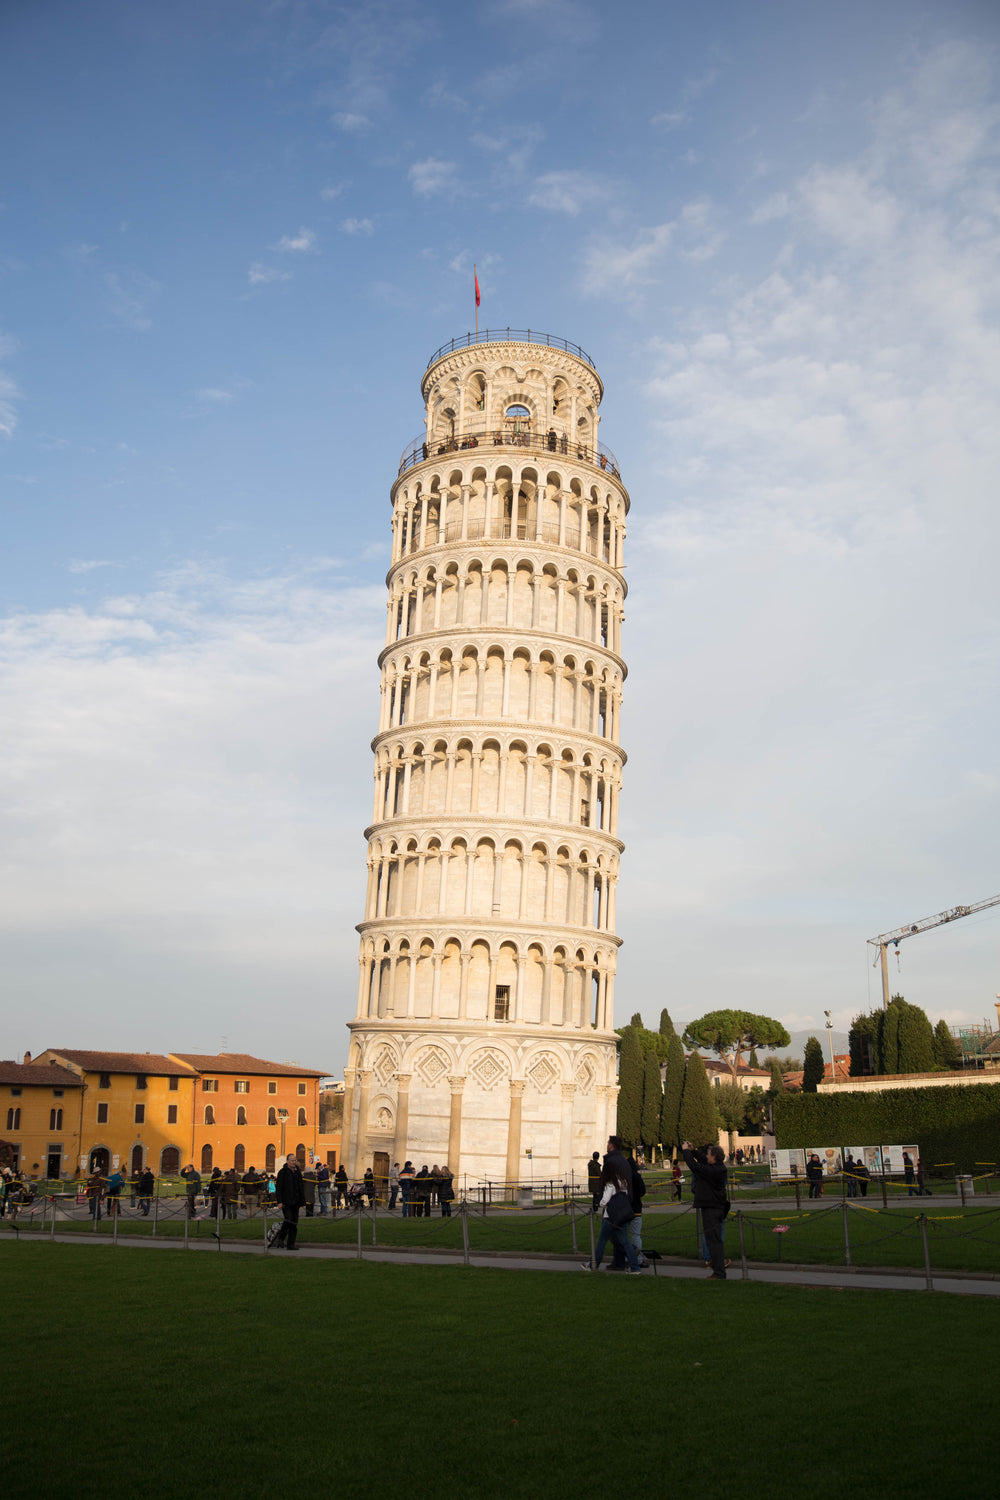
829	1032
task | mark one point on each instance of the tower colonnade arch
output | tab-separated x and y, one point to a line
484	1024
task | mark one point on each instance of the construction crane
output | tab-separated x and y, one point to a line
896	937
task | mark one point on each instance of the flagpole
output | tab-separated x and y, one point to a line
475	275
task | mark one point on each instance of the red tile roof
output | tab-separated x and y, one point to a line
46	1075
241	1062
153	1063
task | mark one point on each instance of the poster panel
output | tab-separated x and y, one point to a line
892	1157
869	1156
830	1157
790	1163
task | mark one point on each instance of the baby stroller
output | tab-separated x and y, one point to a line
356	1195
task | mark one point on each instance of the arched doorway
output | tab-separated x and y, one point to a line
136	1158
100	1160
170	1161
269	1155
206	1158
240	1159
300	1154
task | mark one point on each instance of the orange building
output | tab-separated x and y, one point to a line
250	1112
40	1109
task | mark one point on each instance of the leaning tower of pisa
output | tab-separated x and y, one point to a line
483	1036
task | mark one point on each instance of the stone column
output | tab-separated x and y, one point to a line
455	1126
347	1128
402	1116
513	1167
364	1094
568	1091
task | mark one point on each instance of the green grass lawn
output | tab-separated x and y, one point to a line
165	1374
959	1238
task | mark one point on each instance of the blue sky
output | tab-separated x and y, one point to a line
231	234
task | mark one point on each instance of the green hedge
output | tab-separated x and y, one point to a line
957	1123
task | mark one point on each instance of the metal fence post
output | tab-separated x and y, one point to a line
374	1215
847	1238
114	1232
465	1234
593	1244
156	1205
187	1225
885	1193
572	1224
359	1232
699	1237
53	1231
927	1252
743	1248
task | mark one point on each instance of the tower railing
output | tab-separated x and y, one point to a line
560	444
510	336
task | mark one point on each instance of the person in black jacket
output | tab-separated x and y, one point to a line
289	1192
709	1182
814	1171
594	1177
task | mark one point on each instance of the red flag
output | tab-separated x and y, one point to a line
477	287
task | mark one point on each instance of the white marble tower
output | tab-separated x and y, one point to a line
483	1036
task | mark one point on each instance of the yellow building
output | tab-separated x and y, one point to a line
250	1112
137	1110
40	1110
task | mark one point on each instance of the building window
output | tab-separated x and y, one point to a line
102	1114
272	1116
140	1114
270	1152
173	1084
241	1086
171	1114
15	1093
210	1085
140	1080
501	1003
302	1117
55	1119
241	1116
302	1088
240	1158
13	1119
206	1158
105	1082
209	1115
272	1088
57	1093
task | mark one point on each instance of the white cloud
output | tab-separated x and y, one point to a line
129	296
569	191
671	118
88	565
302	243
331	191
357	226
261	275
166	802
353	124
216	396
610	267
433	176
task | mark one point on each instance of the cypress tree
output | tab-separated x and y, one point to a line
753	1063
630	1073
889	1037
666	1025
777	1084
670	1137
698	1122
652	1101
813	1066
915	1040
946	1050
636	1021
862	1040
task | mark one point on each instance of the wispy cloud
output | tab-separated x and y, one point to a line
303	243
261	275
88	565
129	296
569	192
617	268
433	176
351	123
357	226
332	190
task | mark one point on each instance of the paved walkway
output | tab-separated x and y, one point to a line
838	1278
